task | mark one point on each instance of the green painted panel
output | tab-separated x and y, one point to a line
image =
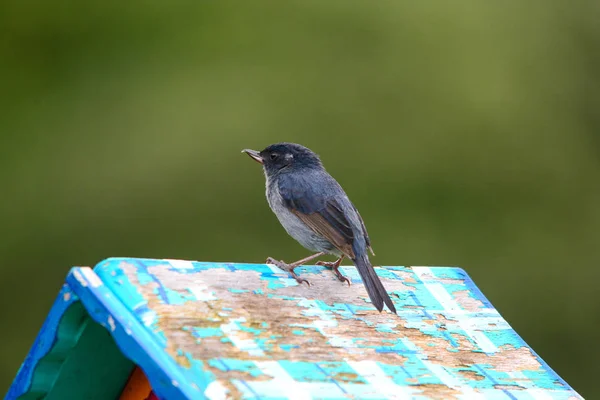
84	362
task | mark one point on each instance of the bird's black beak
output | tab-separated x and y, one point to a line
254	154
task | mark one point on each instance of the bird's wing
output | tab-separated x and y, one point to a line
364	229
317	208
326	209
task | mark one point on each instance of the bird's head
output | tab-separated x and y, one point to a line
284	157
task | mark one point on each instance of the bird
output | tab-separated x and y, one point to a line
314	210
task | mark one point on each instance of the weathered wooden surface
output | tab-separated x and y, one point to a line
251	330
227	330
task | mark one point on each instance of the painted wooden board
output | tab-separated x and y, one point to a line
227	330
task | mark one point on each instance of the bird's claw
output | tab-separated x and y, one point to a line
335	267
289	268
343	278
300	280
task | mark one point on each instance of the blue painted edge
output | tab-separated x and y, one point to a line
131	336
43	343
480	296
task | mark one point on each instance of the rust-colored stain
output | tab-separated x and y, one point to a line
438	392
471	375
346	376
466	301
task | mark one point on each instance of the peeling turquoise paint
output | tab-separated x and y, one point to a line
340	371
303	371
144	278
288	347
388	328
542	379
278	296
412	369
389	362
264	344
397	347
233	364
177	298
207	332
249	329
504	338
238	290
125	291
198	374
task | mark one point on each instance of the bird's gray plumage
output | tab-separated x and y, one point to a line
293	225
314	209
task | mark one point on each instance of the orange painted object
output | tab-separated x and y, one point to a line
152	396
138	387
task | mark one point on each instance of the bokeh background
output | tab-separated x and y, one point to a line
467	133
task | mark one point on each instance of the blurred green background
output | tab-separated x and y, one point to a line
466	133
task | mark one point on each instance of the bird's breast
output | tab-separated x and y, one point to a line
293	225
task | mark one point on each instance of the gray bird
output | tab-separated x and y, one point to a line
314	209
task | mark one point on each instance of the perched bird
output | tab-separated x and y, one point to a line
314	209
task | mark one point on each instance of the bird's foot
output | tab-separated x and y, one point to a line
289	268
335	267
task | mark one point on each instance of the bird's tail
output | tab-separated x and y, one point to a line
375	289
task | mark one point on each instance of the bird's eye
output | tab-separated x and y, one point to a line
274	156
